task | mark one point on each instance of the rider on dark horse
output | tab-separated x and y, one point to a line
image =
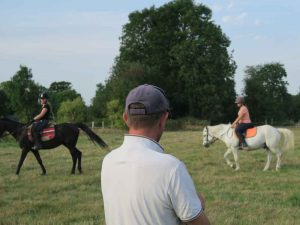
242	122
41	121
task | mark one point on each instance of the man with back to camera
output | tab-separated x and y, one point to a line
142	185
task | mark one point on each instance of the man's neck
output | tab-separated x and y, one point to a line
149	133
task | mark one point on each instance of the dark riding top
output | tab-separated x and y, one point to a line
47	115
43	122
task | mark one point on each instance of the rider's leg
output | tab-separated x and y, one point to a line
240	129
239	134
36	129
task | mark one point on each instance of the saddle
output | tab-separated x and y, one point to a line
250	132
47	133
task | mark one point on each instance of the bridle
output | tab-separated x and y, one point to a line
213	138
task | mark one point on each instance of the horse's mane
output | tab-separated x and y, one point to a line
11	118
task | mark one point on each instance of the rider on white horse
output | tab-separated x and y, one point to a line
242	122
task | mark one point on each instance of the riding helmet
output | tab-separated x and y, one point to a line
44	96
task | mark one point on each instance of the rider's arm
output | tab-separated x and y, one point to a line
43	112
240	116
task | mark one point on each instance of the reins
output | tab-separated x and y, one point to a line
214	138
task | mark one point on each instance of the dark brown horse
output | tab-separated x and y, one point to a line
65	134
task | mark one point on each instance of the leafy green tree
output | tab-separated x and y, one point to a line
266	92
22	93
5	107
98	106
60	92
294	113
115	112
179	48
72	111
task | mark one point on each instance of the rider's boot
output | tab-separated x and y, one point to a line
242	143
37	141
244	146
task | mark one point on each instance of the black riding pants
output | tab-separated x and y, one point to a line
241	128
38	126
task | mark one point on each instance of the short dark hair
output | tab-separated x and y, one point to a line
142	121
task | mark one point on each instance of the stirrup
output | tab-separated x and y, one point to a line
244	146
36	147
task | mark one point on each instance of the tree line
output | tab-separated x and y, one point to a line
179	48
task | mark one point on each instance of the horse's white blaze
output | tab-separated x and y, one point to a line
277	141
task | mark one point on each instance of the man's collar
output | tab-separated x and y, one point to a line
144	141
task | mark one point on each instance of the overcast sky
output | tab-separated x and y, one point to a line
78	40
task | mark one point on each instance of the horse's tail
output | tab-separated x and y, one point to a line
287	139
93	136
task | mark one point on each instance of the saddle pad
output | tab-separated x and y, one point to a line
251	132
47	133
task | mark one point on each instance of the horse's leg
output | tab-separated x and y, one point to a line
269	158
229	163
38	158
74	159
79	160
278	164
22	158
236	158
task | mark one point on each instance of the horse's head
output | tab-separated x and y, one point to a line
6	124
208	138
2	127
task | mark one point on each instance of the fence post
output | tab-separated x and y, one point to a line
102	124
93	124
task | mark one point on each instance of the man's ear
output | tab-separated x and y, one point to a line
163	119
125	118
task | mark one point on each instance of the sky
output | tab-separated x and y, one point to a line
78	40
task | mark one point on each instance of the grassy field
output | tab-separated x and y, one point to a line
249	196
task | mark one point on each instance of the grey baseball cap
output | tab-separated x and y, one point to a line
151	97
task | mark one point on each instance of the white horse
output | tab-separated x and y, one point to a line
274	140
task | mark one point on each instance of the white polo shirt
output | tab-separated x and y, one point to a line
141	185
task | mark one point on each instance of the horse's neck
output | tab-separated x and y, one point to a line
14	128
219	130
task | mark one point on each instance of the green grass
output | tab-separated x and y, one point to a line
249	196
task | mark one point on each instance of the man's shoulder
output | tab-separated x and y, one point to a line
145	154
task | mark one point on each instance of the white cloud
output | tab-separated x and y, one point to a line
216	7
257	22
231	5
257	38
235	20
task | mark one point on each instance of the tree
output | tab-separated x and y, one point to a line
72	111
179	48
294	112
5	107
22	93
60	92
98	107
115	112
266	92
